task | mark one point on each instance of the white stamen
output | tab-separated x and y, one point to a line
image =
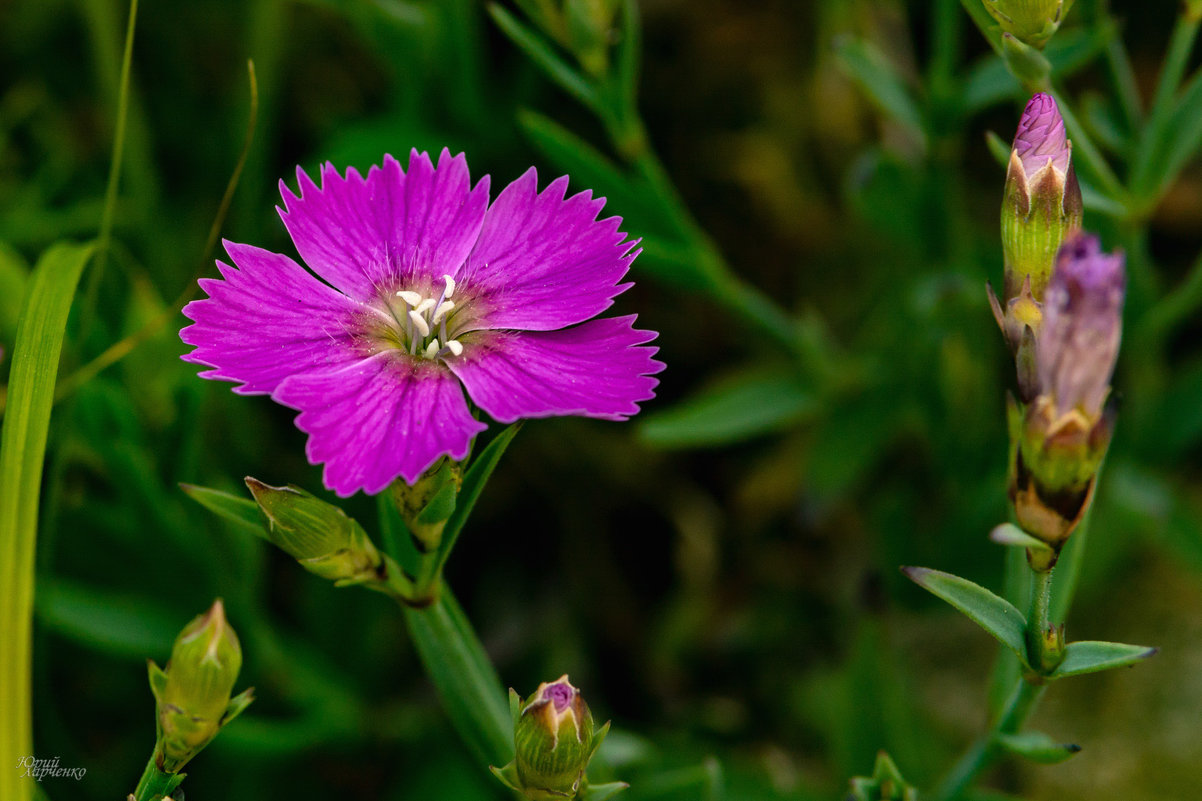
425	304
446	307
455	346
450	290
432	349
420	323
410	297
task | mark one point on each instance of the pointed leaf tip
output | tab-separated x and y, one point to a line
996	615
1090	656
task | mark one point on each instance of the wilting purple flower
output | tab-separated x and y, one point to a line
1041	136
428	290
1082	325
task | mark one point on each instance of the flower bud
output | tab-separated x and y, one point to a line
193	694
427	505
317	534
1041	206
1065	430
1031	21
554	739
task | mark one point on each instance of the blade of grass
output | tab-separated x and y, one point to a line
122	348
26	426
110	193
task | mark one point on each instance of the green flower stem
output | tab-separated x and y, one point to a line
154	782
1037	620
985	750
463	675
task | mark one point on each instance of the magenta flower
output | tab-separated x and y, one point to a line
1040	137
1082	325
428	290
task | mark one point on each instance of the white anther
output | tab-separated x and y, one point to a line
424	305
444	308
420	323
455	346
410	297
432	349
450	290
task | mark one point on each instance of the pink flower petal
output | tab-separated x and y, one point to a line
388	231
267	320
594	369
543	262
379	418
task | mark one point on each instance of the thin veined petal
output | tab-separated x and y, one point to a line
391	230
598	369
379	418
544	262
267	320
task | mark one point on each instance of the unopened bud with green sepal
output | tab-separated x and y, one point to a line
555	737
1041	207
1031	21
193	695
428	504
317	534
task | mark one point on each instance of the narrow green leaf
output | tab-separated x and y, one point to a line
1012	535
1091	656
997	148
630	48
996	615
1037	747
544	56
242	512
587	166
467	682
35	358
880	81
600	792
473	484
738	406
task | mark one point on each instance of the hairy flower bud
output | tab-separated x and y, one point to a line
193	693
1065	430
317	534
1031	21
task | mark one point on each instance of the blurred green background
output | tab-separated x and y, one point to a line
720	574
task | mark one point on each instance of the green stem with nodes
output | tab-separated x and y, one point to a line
154	783
984	751
1020	703
1037	621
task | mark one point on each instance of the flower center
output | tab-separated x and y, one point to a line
425	324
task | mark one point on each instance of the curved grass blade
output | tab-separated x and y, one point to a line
35	357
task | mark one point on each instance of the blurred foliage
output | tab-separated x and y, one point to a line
719	575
